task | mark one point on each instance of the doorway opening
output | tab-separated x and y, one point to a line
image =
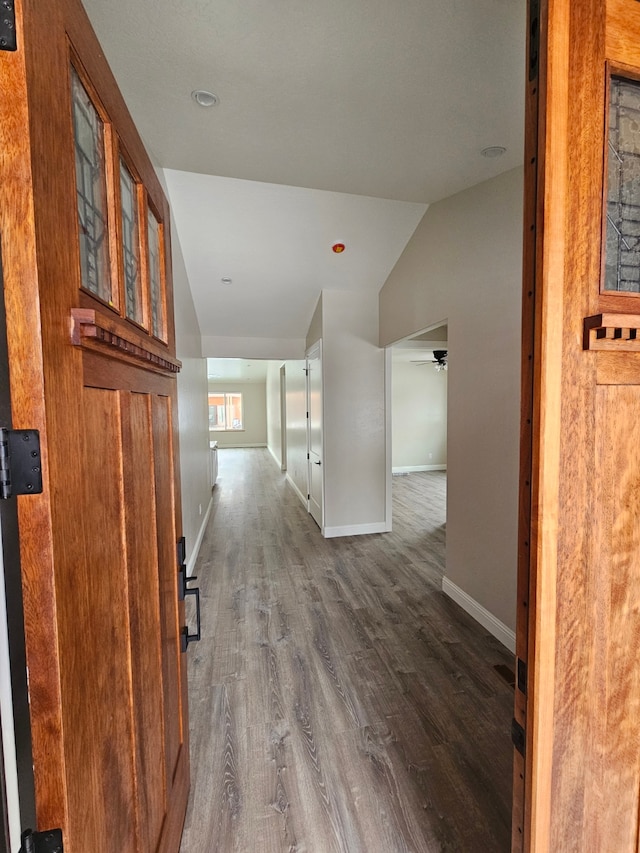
418	425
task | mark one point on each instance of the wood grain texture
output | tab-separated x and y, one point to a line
147	706
582	729
84	634
21	292
170	611
96	623
339	702
91	328
529	242
616	618
552	127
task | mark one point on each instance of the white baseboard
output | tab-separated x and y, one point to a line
410	469
235	446
355	529
191	562
480	614
302	497
277	461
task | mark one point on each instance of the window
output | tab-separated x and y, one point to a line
155	260
225	411
107	202
91	192
622	264
130	244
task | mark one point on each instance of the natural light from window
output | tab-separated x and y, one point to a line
225	411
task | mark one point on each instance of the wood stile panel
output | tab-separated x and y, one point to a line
104	713
546	333
93	605
617	615
144	615
581	152
171	659
17	231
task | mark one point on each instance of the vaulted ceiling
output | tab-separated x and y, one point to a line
337	121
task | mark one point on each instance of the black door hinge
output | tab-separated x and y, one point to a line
517	736
8	38
42	842
20	463
522	676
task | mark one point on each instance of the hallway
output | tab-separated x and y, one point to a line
339	702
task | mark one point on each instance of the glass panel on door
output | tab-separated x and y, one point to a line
156	278
130	245
622	258
91	191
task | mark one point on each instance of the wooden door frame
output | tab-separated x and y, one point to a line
310	356
546	125
568	547
282	386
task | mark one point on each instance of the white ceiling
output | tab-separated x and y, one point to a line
375	99
237	370
274	242
419	348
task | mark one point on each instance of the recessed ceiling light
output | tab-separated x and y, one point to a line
493	151
226	280
204	98
338	248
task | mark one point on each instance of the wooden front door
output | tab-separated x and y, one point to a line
84	227
578	784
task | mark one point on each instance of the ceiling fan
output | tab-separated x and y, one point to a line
439	359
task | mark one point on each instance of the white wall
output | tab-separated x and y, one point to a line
271	348
463	264
254	414
274	409
354	414
296	402
419	416
193	416
194	452
314	333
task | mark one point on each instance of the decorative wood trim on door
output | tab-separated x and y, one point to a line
93	330
617	332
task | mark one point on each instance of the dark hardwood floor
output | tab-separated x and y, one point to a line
339	701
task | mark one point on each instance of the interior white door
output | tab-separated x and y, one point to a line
314	433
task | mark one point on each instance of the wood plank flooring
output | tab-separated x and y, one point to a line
339	702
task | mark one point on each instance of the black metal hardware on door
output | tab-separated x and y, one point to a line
518	736
42	842
8	39
20	462
183	591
